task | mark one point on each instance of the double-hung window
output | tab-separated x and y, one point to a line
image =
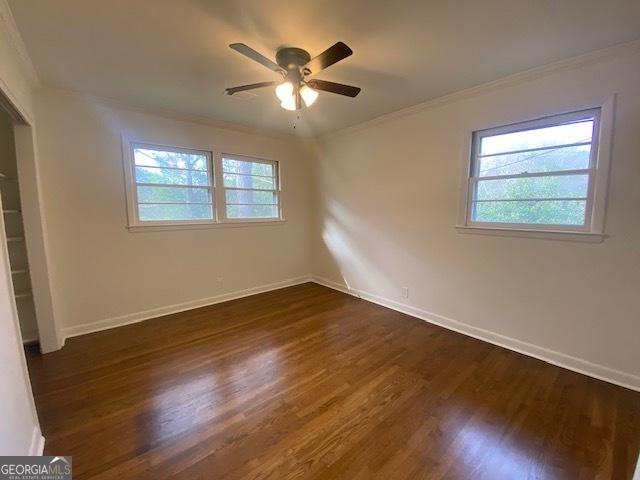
536	175
250	188
171	186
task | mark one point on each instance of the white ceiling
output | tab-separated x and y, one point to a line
174	53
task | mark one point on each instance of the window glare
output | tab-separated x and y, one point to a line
577	132
146	157
551	160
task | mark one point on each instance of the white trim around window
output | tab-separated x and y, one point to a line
204	201
593	172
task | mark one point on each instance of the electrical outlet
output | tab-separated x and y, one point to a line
405	292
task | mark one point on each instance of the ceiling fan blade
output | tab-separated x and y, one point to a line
242	88
332	87
258	57
331	55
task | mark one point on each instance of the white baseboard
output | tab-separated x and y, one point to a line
37	443
334	285
179	307
559	359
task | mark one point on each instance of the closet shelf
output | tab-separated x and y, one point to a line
10	211
22	294
15	239
19	271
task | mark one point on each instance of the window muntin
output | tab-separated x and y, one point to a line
535	175
172	184
251	188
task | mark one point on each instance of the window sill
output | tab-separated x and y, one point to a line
561	235
199	226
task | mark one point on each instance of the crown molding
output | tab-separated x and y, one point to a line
10	29
594	57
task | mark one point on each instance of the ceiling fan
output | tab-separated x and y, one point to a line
295	65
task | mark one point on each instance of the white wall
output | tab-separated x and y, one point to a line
19	431
102	272
387	202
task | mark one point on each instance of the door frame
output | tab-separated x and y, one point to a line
33	219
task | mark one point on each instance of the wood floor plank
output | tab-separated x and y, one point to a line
306	382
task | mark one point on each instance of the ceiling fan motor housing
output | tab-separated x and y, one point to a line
292	58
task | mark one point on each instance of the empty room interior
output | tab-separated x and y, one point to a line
259	239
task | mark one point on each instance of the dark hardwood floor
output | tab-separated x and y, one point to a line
306	382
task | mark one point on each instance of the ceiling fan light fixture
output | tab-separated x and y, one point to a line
289	103
309	95
284	92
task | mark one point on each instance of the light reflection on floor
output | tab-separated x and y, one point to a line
212	392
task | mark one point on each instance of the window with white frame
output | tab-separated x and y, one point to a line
172	184
177	186
250	188
536	175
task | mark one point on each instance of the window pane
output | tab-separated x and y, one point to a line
554	212
175	212
252	211
250	197
247	181
171	177
542	137
173	194
552	160
158	158
250	189
565	186
247	168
